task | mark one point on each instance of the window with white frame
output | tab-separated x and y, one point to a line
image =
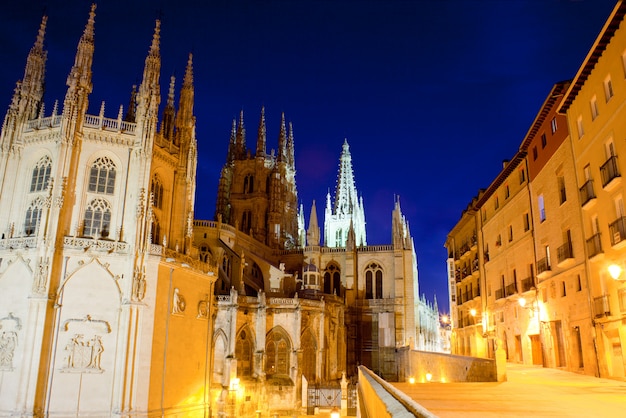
541	207
579	125
41	175
33	216
553	125
97	218
594	108
102	176
608	88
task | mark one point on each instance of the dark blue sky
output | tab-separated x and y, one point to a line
432	95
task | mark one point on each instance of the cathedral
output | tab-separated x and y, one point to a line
116	301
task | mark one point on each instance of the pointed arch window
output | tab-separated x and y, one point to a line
41	175
243	353
332	280
248	184
277	349
156	188
246	221
374	281
102	176
309	356
219	354
97	218
155	231
33	216
205	253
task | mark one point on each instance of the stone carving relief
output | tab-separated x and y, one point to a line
84	348
178	303
203	308
41	277
139	284
9	326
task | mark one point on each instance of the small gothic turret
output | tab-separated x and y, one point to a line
132	105
313	232
149	96
261	136
185	119
169	114
240	139
282	140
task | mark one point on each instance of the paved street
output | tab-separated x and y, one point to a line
530	391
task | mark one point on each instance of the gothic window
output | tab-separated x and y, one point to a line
155	232
374	282
205	253
309	356
256	275
277	350
41	175
248	184
332	280
246	221
102	176
219	353
97	218
226	266
156	188
243	353
33	216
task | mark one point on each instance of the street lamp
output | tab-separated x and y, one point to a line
615	271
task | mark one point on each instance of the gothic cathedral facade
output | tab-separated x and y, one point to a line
116	301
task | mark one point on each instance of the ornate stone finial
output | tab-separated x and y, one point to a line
156	37
188	79
42	32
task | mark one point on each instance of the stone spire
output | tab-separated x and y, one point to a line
240	139
132	105
313	232
282	140
79	79
261	136
149	95
291	159
232	144
347	207
185	118
34	74
169	113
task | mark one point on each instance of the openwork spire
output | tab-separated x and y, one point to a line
282	139
261	136
240	139
347	210
291	159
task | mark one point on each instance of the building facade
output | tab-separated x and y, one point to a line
115	301
551	229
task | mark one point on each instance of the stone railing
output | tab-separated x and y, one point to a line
95	244
42	123
380	399
108	124
17	243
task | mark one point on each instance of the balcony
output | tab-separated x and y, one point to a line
617	232
601	306
511	289
527	284
587	195
594	246
499	294
611	176
565	255
544	269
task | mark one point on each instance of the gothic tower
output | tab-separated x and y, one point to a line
257	193
346	213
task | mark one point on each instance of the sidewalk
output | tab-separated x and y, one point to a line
529	391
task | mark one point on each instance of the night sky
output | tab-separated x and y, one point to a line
431	95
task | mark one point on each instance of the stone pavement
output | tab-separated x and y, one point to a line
530	391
